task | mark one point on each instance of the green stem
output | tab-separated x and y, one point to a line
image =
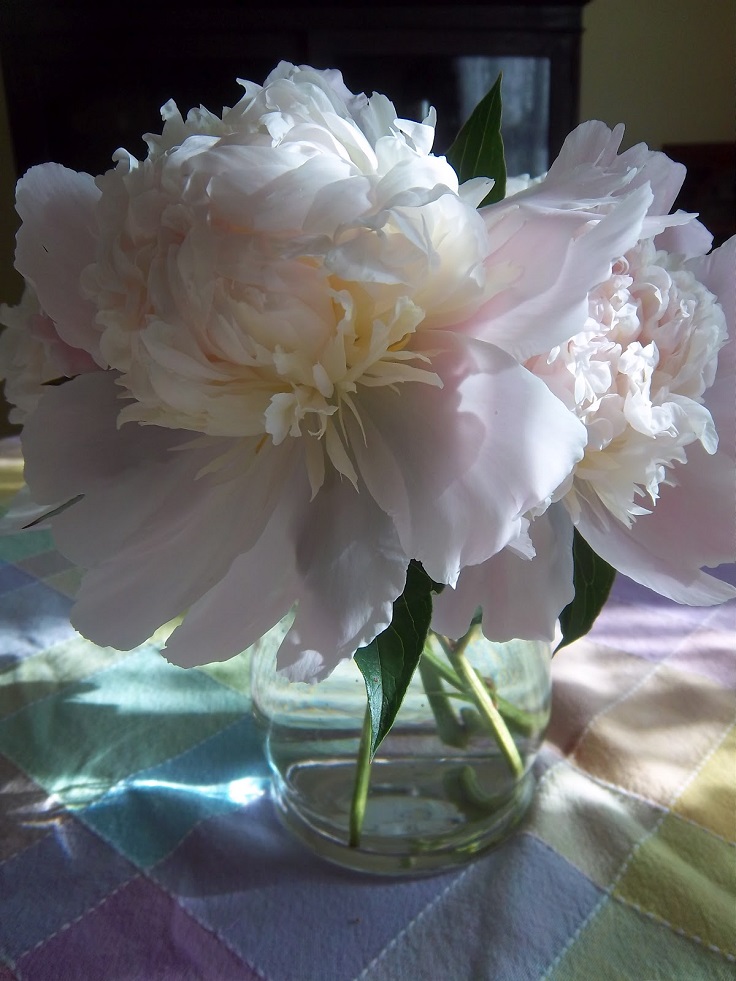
484	704
442	669
449	728
362	781
524	722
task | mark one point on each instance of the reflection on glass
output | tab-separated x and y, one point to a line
525	94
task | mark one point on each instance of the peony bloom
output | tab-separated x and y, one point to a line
676	452
293	397
651	377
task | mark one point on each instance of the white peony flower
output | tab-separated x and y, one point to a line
309	344
255	276
651	374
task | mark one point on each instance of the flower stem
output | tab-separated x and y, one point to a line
442	669
484	704
362	781
449	728
523	722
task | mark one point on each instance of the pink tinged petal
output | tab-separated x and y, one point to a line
186	542
693	525
71	441
456	468
717	272
590	142
589	156
351	569
561	256
67	361
521	598
257	591
337	558
664	176
55	243
146	517
690	238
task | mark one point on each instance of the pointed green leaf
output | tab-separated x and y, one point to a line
593	578
478	147
388	663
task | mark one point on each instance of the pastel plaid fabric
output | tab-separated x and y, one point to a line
137	839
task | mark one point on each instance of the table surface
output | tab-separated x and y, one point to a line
138	841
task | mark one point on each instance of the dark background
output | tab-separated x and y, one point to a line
83	78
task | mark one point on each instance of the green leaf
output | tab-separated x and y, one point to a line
388	663
478	147
593	578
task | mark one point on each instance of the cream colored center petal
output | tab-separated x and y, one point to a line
253	377
313	394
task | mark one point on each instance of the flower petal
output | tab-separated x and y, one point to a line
256	592
521	598
589	162
337	558
351	570
560	255
693	525
457	467
56	241
148	514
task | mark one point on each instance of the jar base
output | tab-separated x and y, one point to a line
419	821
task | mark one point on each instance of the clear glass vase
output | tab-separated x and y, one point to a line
452	778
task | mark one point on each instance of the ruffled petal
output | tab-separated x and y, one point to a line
693	523
520	598
592	149
692	526
590	164
560	255
56	241
457	467
690	238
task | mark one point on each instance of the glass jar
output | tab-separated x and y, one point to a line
452	778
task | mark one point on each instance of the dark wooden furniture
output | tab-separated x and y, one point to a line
83	78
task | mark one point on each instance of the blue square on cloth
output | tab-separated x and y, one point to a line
523	895
281	908
148	710
11	578
33	617
146	816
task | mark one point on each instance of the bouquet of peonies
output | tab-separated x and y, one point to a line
292	360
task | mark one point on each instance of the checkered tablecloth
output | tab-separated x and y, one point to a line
137	839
